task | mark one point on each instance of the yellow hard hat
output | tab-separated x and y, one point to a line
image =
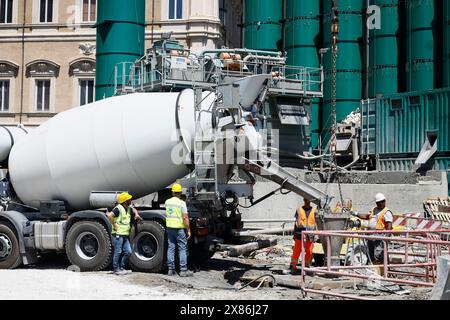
177	188
124	196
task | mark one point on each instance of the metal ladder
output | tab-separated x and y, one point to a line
204	157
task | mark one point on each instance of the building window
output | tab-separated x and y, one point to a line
46	11
4	95
89	10
86	91
223	12
42	73
42	95
175	9
6	10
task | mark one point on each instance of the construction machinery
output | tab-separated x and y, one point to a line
171	120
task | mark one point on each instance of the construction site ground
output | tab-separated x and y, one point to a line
221	278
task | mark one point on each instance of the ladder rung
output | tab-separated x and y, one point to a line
206	192
205	166
206	195
204	152
205	140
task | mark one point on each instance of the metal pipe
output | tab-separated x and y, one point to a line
153	21
346	274
328	253
235	251
393	265
407	249
22	77
385	259
382	238
347	232
411	274
367	67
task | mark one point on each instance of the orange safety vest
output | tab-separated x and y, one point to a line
381	223
306	222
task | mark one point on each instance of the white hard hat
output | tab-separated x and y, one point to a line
380	197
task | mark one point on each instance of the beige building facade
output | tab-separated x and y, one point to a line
47	48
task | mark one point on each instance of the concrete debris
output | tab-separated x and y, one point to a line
381	284
289	281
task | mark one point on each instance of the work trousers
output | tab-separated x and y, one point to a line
297	251
121	245
177	237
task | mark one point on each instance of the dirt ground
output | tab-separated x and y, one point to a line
221	278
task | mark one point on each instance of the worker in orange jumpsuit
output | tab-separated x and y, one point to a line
304	220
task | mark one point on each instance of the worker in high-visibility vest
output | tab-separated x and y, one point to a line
304	220
380	218
178	231
120	218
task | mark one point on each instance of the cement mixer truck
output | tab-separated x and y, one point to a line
60	179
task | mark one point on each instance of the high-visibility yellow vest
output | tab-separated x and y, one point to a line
381	223
303	221
174	213
123	221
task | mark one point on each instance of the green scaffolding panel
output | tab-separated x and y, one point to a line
349	62
446	44
262	27
421	45
120	38
302	41
384	50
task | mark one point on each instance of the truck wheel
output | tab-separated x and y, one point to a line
10	257
149	247
89	246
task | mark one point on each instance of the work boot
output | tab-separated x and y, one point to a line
294	270
171	273
186	273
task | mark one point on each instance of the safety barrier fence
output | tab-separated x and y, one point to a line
414	249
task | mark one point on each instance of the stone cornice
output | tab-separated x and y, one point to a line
42	68
82	67
8	69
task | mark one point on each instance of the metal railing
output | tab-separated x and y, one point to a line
204	72
418	249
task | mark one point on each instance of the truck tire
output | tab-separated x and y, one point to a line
10	257
89	246
149	246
